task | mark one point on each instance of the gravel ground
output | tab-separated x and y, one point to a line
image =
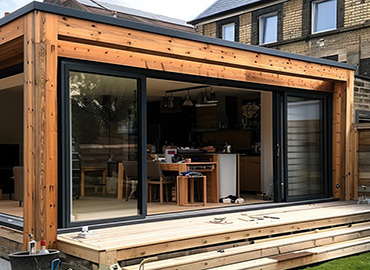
4	264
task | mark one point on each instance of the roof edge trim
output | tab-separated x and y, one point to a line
162	31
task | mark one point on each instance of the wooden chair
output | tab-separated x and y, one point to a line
130	178
155	177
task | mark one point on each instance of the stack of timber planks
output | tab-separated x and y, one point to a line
304	244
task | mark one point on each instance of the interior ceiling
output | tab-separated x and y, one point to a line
156	89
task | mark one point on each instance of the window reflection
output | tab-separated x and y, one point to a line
104	135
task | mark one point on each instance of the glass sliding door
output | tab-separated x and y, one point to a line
305	156
304	137
101	145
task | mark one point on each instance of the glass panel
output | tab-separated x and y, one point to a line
228	32
104	136
305	159
325	15
268	29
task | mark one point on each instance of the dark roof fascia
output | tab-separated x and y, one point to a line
161	31
229	11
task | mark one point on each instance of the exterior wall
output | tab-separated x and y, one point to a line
292	22
245	28
362	94
210	29
356	12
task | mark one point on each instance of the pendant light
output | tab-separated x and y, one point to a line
188	101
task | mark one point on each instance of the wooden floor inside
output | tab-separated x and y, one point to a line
108	207
128	243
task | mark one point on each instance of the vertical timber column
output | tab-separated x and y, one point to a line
40	207
349	175
338	139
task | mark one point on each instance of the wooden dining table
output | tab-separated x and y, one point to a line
209	169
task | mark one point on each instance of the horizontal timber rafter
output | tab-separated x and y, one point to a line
11	31
136	40
160	63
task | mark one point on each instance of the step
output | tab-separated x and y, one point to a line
304	257
261	248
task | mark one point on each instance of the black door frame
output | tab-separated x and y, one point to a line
281	149
64	139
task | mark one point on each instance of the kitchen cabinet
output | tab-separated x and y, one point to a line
250	173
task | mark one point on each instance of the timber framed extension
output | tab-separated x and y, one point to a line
44	38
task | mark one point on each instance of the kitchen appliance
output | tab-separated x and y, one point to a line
169	154
227	148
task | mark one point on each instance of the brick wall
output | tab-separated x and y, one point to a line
362	94
8	246
210	29
292	19
356	12
245	28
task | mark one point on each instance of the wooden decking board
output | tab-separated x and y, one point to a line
314	255
138	234
273	247
155	238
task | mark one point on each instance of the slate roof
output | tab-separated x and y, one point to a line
222	6
121	12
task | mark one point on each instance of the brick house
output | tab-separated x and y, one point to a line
333	29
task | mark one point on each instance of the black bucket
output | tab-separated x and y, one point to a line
23	260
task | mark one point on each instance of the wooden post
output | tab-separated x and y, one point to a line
338	140
349	113
40	133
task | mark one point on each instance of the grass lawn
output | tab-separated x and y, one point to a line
357	262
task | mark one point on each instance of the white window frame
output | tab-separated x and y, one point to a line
260	27
223	30
313	7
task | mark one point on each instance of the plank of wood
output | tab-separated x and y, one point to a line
49	39
135	40
12	30
29	147
338	140
270	247
349	179
161	63
40	206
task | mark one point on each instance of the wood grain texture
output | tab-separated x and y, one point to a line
139	41
12	30
164	63
40	210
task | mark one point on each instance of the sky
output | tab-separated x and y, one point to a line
186	10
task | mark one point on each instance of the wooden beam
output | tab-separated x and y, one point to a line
128	39
160	63
349	117
12	30
355	162
29	215
12	81
338	140
40	210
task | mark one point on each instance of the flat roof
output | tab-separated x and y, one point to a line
49	8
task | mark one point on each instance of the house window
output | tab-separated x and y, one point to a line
268	28
228	32
324	15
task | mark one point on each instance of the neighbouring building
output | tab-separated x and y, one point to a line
338	30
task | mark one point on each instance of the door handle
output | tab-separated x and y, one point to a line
278	150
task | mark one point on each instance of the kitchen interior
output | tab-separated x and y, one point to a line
203	124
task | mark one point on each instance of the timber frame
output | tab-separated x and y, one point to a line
39	34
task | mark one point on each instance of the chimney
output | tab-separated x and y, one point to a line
6	13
